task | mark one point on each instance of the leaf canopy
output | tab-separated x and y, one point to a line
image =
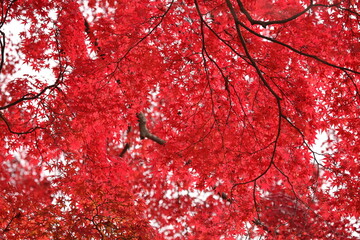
179	119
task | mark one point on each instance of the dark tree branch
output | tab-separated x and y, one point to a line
266	23
147	35
2	49
225	197
296	50
27	97
216	34
92	38
8	125
258	223
127	145
2	41
144	132
266	84
7	228
256	205
5	14
243	43
282	21
126	148
32	96
349	10
226	80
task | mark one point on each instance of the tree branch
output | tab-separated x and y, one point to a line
266	23
144	132
282	21
147	35
296	50
127	145
125	149
277	97
32	96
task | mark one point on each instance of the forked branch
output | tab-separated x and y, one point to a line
144	132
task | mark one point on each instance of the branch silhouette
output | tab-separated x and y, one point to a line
144	132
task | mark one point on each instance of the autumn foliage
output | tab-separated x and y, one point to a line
179	119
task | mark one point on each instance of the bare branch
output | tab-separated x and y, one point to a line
147	35
126	148
2	49
296	50
266	84
282	21
144	132
266	23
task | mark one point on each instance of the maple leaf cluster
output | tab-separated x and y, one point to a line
178	119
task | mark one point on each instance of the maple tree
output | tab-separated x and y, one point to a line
179	119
